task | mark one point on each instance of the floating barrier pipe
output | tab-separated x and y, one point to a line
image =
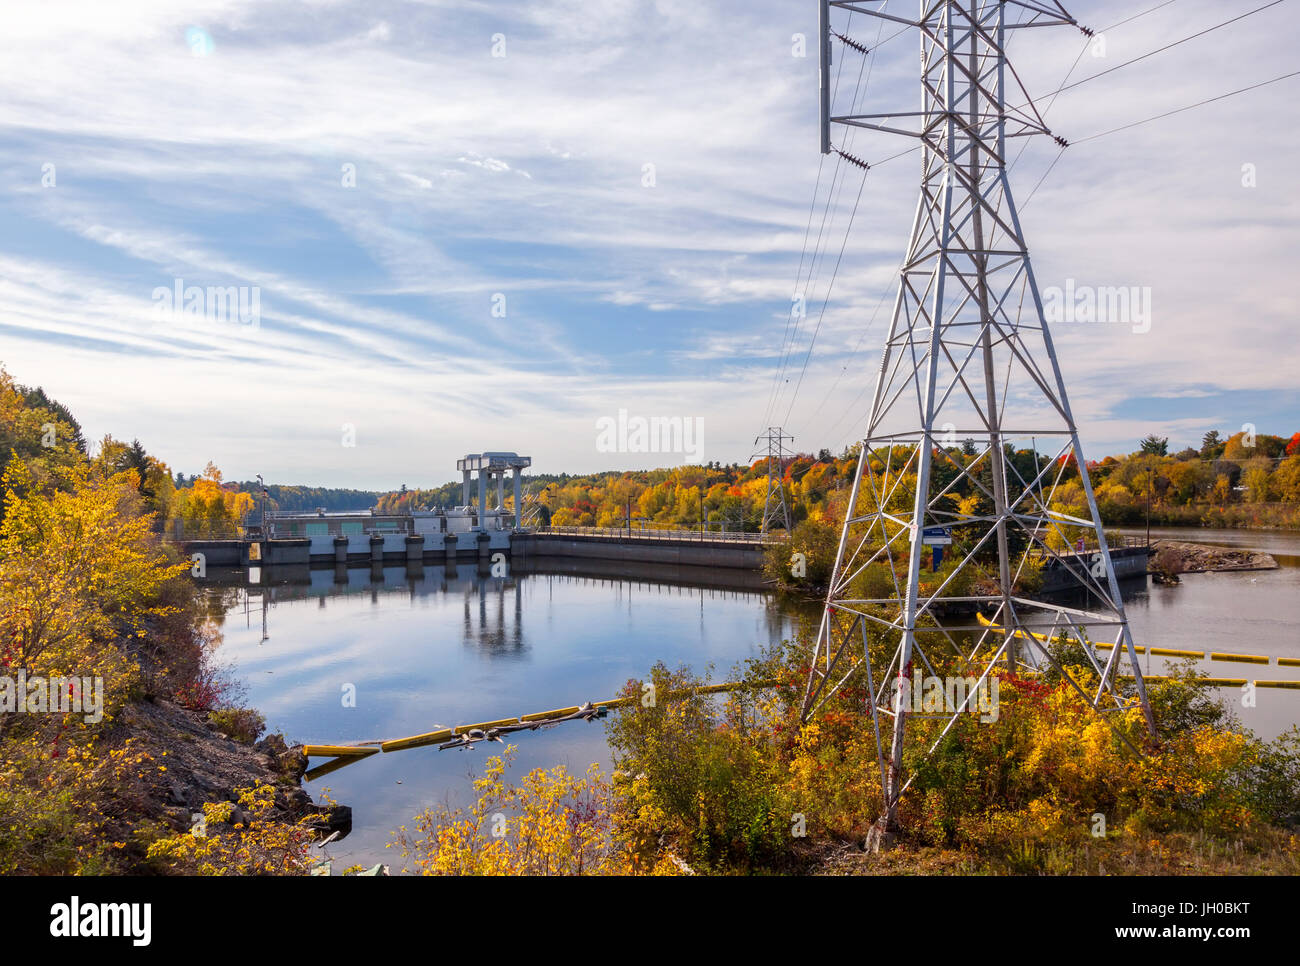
1226	656
443	735
339	751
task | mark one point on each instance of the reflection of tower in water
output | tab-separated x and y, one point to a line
490	626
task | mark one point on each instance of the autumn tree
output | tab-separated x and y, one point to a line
41	435
1286	479
206	509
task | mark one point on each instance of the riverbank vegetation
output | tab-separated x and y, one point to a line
106	669
739	786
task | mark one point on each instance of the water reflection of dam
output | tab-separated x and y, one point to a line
491	606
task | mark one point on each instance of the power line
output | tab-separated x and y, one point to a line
1180	110
858	348
787	342
787	337
787	348
1158	50
1135	16
1024	144
844	154
1039	184
858	90
1063	87
825	301
812	207
837	184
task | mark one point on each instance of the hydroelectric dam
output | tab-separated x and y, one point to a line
483	531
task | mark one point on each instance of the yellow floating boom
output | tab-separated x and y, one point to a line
539	717
1206	682
1165	651
416	741
1239	658
339	751
1155	651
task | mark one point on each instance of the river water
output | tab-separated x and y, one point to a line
448	649
1255	612
445	648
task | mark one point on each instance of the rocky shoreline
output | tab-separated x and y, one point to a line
1172	557
203	765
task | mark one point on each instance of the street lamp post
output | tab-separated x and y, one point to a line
261	501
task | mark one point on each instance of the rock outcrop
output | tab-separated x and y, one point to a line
1170	557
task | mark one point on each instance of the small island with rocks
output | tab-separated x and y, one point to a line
1172	557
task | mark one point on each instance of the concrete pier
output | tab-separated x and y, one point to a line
415	549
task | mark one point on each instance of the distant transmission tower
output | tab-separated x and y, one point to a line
968	356
775	509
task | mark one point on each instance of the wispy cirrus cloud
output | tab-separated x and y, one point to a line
457	250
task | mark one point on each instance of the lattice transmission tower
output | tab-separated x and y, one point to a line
775	509
968	357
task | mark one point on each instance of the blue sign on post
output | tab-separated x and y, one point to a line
936	537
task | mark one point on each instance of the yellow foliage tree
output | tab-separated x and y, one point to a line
207	510
552	823
80	571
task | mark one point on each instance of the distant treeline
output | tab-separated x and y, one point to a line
545	489
284	497
403	500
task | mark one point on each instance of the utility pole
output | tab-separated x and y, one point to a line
774	506
968	355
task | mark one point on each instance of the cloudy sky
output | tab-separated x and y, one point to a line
475	225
